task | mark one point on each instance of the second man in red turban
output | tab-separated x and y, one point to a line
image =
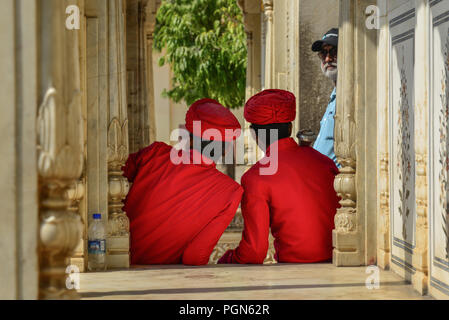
297	201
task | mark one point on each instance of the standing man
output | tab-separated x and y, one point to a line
297	200
178	210
327	49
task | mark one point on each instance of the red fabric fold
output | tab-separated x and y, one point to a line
226	258
177	212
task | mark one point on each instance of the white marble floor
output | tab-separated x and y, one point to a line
254	282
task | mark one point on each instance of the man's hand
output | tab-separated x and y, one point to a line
226	258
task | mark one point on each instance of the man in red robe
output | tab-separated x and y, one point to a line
178	210
297	199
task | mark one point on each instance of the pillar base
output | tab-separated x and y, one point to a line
58	294
118	252
405	273
80	263
78	258
419	282
383	259
346	251
118	261
346	259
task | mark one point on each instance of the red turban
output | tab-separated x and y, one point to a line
213	116
271	106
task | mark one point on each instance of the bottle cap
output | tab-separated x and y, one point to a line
97	216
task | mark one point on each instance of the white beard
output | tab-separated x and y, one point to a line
330	73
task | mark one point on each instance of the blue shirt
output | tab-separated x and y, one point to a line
324	143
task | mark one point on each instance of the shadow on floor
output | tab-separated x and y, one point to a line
137	268
211	266
230	289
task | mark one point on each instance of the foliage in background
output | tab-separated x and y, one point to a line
205	45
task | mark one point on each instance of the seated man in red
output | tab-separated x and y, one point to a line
178	210
296	199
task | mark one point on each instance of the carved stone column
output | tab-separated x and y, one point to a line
132	69
60	147
283	55
383	192
252	15
150	9
118	223
345	235
75	194
19	221
422	109
140	93
252	20
354	236
150	85
78	192
146	120
250	156
96	66
269	43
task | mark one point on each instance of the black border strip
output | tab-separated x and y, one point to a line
403	264
395	19
403	39
434	282
440	16
410	246
411	31
397	244
402	20
434	2
441	261
441	266
441	20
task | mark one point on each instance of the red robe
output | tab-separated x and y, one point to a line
178	212
298	202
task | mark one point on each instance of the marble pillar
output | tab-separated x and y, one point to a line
19	220
354	236
117	147
59	147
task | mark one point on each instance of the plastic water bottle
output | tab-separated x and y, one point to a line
96	246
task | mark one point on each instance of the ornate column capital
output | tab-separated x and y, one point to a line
268	9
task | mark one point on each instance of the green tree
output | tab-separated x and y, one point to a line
205	45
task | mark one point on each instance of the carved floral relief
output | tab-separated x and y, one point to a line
444	145
403	159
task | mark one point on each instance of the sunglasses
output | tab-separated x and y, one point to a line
332	52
